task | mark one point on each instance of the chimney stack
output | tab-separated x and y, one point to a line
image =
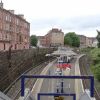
11	11
21	15
1	4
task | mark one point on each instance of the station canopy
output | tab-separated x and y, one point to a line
64	53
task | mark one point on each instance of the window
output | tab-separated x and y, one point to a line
7	26
20	39
17	21
10	18
6	36
15	46
6	18
4	46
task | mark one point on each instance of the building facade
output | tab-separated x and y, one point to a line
14	30
95	43
82	41
41	41
56	37
87	41
53	38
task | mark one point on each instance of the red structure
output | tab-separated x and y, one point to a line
14	30
64	65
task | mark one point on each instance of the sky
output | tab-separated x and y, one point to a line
79	16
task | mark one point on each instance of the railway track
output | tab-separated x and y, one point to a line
86	83
14	90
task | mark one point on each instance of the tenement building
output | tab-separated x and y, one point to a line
87	41
14	30
54	38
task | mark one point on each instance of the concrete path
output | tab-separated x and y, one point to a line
49	85
38	84
78	82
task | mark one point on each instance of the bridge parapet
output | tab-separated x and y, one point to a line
86	96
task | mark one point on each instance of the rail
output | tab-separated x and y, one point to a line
16	84
87	71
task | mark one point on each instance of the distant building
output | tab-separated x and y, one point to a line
82	41
87	41
14	30
53	38
95	43
41	41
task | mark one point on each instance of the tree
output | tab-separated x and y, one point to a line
33	40
96	71
72	39
98	38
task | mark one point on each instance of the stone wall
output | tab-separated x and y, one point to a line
15	63
85	63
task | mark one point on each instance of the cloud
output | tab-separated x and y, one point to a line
81	23
85	25
76	23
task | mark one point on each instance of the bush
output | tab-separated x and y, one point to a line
96	61
99	55
86	50
96	71
95	53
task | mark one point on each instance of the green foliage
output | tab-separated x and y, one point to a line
95	55
33	40
98	38
96	71
67	40
72	39
86	50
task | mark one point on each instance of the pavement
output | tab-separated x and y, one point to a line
51	85
38	84
78	82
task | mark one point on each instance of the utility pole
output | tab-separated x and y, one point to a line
9	56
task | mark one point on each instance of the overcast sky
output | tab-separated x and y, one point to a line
80	16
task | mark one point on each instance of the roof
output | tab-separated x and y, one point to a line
55	30
14	15
66	53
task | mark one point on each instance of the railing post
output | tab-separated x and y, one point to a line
62	90
92	86
22	85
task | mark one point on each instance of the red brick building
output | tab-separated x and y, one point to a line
55	37
41	40
14	30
